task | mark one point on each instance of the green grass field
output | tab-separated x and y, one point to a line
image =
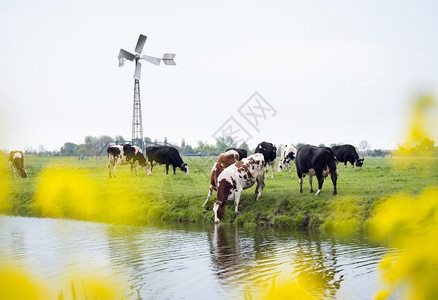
81	189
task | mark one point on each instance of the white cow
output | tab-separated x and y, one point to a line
288	154
126	154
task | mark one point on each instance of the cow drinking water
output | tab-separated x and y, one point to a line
316	161
16	162
126	154
224	160
236	178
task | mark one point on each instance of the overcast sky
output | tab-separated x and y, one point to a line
330	71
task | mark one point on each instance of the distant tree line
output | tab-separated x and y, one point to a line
93	145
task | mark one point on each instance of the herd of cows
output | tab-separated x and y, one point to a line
233	171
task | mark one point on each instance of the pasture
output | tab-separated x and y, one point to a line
65	187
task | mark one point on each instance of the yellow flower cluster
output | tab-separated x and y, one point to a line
409	225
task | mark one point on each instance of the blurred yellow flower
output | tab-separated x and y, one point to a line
410	226
65	193
16	284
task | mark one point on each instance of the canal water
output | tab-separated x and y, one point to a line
189	261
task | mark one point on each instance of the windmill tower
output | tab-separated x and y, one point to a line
137	126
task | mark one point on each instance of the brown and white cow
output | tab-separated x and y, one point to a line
236	178
224	160
126	154
16	161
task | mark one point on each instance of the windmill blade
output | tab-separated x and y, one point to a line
152	60
168	59
137	71
140	43
126	55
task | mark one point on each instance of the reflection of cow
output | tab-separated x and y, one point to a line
16	161
166	155
319	161
269	152
236	178
126	154
224	160
347	153
287	159
242	152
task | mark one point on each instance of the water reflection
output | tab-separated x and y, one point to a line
251	258
190	261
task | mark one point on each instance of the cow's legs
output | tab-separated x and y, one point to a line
167	169
174	168
261	185
109	169
334	177
236	202
210	193
115	171
320	182
134	169
300	179
272	168
310	182
13	171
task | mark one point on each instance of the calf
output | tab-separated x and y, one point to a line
287	159
347	153
126	154
318	161
166	155
242	152
16	162
269	152
236	178
224	160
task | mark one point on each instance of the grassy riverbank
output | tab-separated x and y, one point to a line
65	187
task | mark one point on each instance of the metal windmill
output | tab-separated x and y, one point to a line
137	126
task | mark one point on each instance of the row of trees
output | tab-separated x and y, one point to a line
93	145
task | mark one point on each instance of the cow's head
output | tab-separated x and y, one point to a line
219	211
147	168
287	161
184	168
23	173
359	162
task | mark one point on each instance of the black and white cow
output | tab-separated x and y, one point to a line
316	161
269	152
126	154
16	162
223	161
347	153
166	155
287	159
236	178
242	152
